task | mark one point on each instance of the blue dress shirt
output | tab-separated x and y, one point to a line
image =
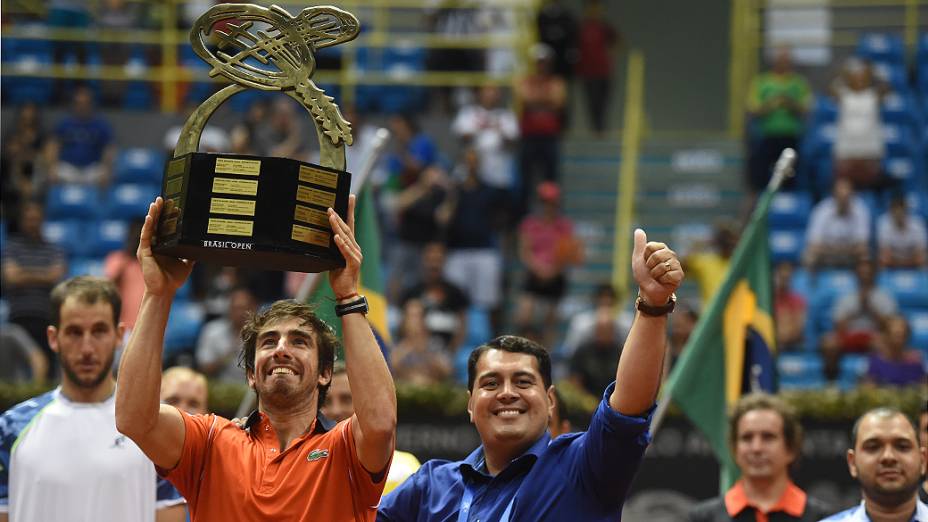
575	477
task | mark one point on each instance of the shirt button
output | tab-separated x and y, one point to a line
267	428
273	450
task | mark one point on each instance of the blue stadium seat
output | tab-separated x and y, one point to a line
138	165
910	287
893	74
881	47
827	285
130	200
900	141
903	170
918	324
790	209
183	327
801	282
824	111
902	109
85	266
108	235
800	371
72	202
786	245
852	368
67	234
22	88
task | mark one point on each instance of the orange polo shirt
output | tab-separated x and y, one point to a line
793	502
229	474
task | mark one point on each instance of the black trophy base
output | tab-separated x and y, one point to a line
251	211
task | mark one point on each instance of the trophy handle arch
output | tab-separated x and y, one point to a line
331	155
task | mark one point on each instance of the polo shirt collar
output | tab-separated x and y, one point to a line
474	464
322	424
792	502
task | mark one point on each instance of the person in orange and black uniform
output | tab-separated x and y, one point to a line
765	437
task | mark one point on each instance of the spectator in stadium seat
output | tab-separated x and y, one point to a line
901	237
888	460
766	439
519	472
23	163
590	367
472	216
547	248
859	143
444	302
415	188
557	30
82	150
219	343
186	390
838	234
583	324
858	318
543	98
596	41
419	357
53	446
894	362
280	135
789	308
492	131
124	270
288	353
778	101
31	266
709	265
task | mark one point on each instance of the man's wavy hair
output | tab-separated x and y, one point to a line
86	290
326	341
792	428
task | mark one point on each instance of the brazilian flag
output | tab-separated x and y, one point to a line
367	234
731	350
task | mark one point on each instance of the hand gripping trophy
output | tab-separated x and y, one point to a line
250	210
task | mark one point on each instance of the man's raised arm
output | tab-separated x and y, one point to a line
658	274
157	429
372	389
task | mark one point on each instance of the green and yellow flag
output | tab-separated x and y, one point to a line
730	352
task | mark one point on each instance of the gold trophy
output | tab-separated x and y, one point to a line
261	212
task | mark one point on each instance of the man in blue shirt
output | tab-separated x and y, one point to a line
519	473
83	144
888	460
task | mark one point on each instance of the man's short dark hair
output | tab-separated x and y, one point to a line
792	428
326	341
88	290
512	344
886	412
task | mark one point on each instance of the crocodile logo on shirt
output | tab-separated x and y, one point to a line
317	454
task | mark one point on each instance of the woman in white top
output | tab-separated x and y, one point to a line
859	145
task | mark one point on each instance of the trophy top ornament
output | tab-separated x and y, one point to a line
267	48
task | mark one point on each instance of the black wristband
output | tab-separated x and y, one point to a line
358	306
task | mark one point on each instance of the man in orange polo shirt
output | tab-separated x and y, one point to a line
766	436
288	463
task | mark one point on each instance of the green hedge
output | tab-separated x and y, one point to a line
449	403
